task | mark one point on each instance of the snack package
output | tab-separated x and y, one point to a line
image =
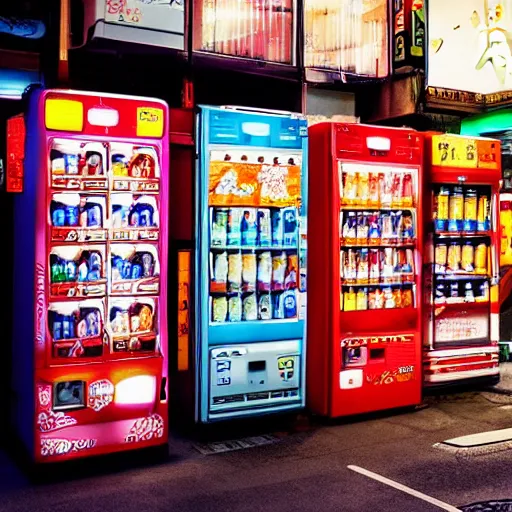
362	228
249	227
349	232
407	298
234	234
483	217
219	309
342	265
290	278
264	271
234	272
219	233
409	268
350	300
290	226
350	179
264	227
249	308
277	228
470	211
249	267
278	271
481	259
219	266
396	220
265	307
362	266
397	296
235	308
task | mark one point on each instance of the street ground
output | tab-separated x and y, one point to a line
351	465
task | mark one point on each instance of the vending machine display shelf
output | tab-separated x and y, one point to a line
376	208
460	300
393	284
377	244
253	248
461	276
462	234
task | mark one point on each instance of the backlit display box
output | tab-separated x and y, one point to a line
347	36
365	241
90	299
155	22
462	226
262	30
469	58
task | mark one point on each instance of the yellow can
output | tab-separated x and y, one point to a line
481	258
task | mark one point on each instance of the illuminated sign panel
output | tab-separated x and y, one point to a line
469	54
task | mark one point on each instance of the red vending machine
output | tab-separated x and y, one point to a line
90	298
461	195
364	269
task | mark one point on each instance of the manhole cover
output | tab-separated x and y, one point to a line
489	506
236	444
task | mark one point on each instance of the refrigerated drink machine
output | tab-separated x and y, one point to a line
364	268
90	301
245	276
461	195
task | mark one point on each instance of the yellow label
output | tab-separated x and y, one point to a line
450	151
150	122
65	115
183	310
285	363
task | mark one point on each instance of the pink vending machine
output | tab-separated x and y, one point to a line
90	331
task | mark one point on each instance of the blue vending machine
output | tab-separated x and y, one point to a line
250	268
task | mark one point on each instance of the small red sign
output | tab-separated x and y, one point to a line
15	153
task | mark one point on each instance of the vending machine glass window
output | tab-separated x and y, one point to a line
253	30
348	36
462	264
378	226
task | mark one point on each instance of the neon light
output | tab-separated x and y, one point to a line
378	143
137	390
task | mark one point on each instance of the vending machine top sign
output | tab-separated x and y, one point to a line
469	57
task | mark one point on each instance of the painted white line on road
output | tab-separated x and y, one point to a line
404	488
494	436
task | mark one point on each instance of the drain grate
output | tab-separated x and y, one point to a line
489	506
235	444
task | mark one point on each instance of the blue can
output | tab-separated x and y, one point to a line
67	327
59	217
126	272
57	327
71	162
72	215
136	271
70	271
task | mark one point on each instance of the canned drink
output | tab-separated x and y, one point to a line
374	264
277	228
407	190
71	215
349	231
264	227
57	327
454	257
94	216
442	209
249	227
92	321
351	266
373	189
374	229
146	216
362	228
147	264
396	190
388	265
387	227
67	327
483	220
71	271
136	271
441	258
481	258
83	272
362	299
456	210
59	217
219	232
363	189
290	226
126	272
71	163
468	257
84	219
470	211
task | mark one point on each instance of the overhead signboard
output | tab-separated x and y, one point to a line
469	53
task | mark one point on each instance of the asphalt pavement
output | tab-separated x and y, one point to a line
389	462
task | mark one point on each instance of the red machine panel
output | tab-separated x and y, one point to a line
365	240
